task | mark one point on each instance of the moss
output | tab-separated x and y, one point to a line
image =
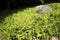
23	25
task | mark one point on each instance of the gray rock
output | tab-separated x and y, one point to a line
43	8
54	38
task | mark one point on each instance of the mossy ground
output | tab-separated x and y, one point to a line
27	23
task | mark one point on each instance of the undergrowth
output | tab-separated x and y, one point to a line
27	23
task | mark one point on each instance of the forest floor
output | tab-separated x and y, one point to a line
18	22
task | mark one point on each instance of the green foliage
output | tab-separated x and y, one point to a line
42	1
25	24
55	6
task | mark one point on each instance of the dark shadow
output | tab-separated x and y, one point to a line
15	6
5	12
12	6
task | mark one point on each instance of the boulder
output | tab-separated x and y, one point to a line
43	9
54	38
